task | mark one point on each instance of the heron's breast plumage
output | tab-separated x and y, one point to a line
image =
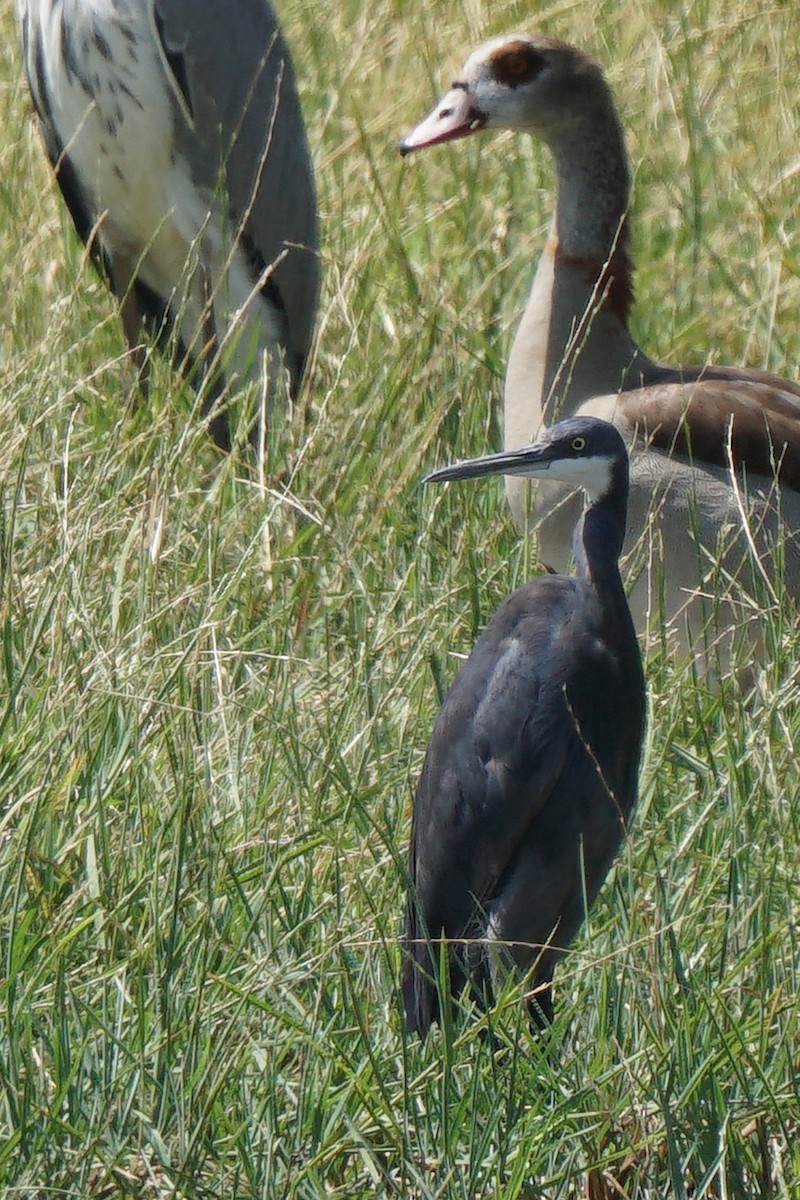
110	105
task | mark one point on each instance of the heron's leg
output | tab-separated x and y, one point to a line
123	280
218	425
535	968
540	1007
525	923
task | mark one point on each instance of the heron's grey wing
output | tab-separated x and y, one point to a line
567	849
233	79
528	782
495	755
498	748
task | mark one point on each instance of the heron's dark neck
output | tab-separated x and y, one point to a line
599	535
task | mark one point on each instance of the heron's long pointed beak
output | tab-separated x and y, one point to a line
531	461
455	116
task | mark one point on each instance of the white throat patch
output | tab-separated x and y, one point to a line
592	474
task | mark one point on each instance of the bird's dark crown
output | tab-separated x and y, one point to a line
583	437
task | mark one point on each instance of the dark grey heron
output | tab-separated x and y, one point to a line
690	428
175	132
531	773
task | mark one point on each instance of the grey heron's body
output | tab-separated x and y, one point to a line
715	451
531	771
177	139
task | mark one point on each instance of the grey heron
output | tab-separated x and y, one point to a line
531	772
175	133
694	432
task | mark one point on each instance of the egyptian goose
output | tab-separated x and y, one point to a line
573	353
176	136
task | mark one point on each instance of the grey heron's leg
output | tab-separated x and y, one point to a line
540	1007
510	927
123	278
218	425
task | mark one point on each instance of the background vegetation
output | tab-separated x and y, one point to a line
216	689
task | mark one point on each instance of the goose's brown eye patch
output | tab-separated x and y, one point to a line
516	63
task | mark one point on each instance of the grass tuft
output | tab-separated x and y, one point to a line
216	689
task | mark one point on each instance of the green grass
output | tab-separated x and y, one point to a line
215	690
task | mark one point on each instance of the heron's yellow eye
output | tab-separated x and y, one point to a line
579	443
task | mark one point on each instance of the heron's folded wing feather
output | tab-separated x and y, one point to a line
497	751
232	75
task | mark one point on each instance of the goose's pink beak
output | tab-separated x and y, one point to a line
455	116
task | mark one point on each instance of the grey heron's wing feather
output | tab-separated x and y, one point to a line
232	76
173	59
